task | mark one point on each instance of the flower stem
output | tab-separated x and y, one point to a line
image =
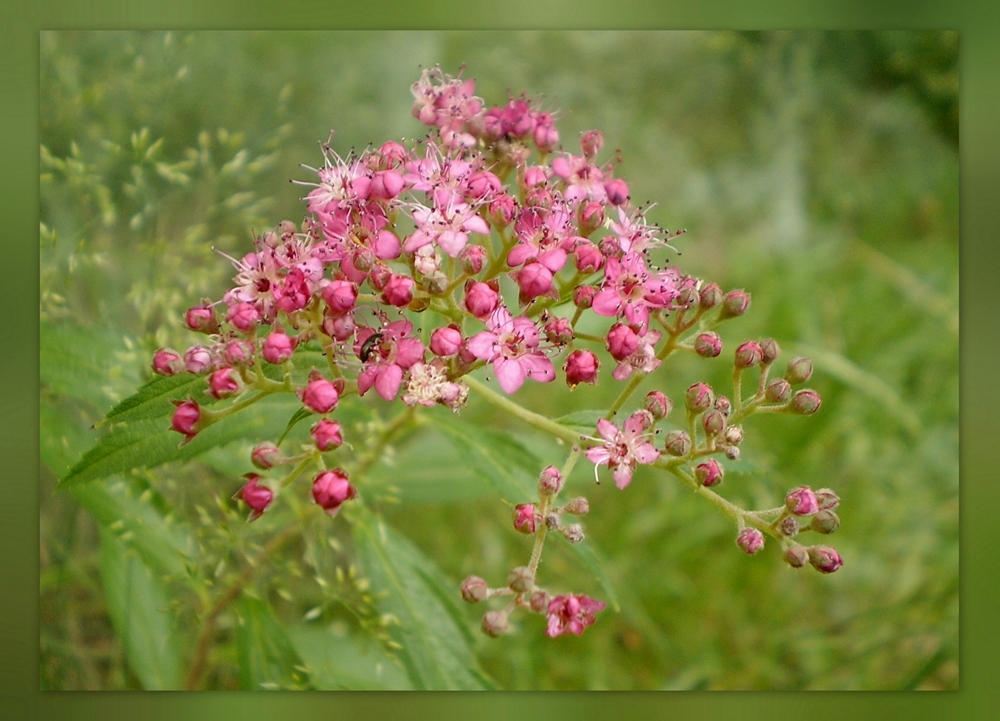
531	418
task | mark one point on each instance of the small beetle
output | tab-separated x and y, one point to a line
368	347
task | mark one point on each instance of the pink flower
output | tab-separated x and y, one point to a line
623	449
642	358
543	234
571	613
511	345
331	489
387	357
447	226
630	290
584	180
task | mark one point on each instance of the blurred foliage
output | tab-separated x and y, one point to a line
817	170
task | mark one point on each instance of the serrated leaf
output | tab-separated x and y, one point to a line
344	661
154	398
267	658
436	642
139	605
584	421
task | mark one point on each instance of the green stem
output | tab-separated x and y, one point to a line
531	418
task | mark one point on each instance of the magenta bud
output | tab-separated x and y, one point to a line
446	342
735	304
526	518
265	455
748	355
799	370
699	397
825	559
481	300
398	290
326	435
640	419
550	482
750	540
796	555
709	473
583	296
558	331
472	258
198	360
341	296
167	362
622	341
185	419
238	353
572	533
714	422
589	258
223	383
805	402
801	501
319	395
341	327
591	217
658	405
495	623
789	526
710	296
331	489
257	497
825	522
723	405
379	276
590	143
708	345
520	579
677	443
827	499
769	351
501	211
201	319
474	589
778	391
533	280
243	316
277	347
539	601
581	367
617	191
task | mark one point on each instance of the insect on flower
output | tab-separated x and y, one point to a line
368	347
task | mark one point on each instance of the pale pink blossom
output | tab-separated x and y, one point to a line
623	449
511	345
394	352
571	614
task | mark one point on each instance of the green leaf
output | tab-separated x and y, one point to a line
296	417
591	558
338	660
583	421
139	605
495	457
436	642
267	658
81	363
153	399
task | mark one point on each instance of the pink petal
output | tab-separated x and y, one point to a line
622	475
365	379
387	381
538	367
476	224
607	303
553	259
409	351
598	456
452	242
482	345
510	374
607	430
645	453
520	253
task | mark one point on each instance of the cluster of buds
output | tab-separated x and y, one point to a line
428	230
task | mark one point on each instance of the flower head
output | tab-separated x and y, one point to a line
511	345
623	449
571	614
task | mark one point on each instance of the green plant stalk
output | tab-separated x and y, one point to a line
531	418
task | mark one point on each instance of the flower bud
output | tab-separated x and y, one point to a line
520	579
748	355
622	341
319	395
734	435
572	533
340	327
501	211
577	507
799	370
581	367
277	347
472	258
713	422
243	316
735	304
805	402
710	296
732	453
327	435
688	297
265	455
167	362
825	522
495	623
796	555
641	419
750	540
558	331
526	518
801	501
550	482
198	360
825	559
481	300
677	443
591	217
379	276
445	342
699	397
617	191
583	296
708	345
658	405
201	319
341	296
723	405
552	521
474	589
238	353
257	497
185	419
789	526
769	351
533	280
331	489
590	143
539	601
709	473
827	499
223	383
398	290
778	391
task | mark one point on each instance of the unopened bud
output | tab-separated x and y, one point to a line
708	345
677	443
713	422
709	473
539	601
658	405
265	455
495	623
520	579
202	319
796	555
789	526
572	533
550	482
805	402
552	521
801	501
750	540
526	518
825	559
769	351
734	435
699	397
723	405
577	507
799	370
167	362
711	296
748	355
778	391
827	499
583	296
472	259
474	589
735	304
825	522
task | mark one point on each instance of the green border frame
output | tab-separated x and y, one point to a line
979	26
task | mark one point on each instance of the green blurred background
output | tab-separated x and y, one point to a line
817	170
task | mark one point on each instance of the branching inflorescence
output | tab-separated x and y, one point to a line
434	226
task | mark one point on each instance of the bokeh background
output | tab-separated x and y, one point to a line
817	170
